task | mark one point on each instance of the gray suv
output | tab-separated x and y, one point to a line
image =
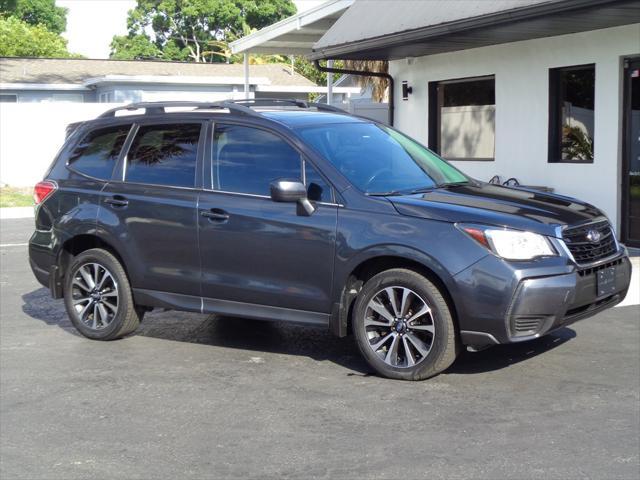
297	212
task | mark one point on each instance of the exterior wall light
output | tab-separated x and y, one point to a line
406	90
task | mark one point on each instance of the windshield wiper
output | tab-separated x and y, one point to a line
413	191
422	190
391	193
454	184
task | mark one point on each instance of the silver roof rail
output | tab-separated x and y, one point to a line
236	106
277	102
154	108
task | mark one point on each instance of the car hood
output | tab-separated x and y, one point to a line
488	204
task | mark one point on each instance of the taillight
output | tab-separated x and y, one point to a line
42	190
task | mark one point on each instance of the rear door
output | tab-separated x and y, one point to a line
254	250
88	166
150	207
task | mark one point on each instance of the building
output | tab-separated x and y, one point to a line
117	81
40	97
544	91
297	35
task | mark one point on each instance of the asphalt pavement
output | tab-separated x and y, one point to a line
196	396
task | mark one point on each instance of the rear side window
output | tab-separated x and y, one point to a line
97	153
164	155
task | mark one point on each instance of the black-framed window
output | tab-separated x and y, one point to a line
462	117
247	159
164	155
97	153
571	114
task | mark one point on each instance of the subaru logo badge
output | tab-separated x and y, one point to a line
593	236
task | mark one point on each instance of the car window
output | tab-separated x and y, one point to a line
97	153
164	155
379	160
247	160
317	188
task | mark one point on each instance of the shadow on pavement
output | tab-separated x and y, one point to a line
38	304
283	338
502	356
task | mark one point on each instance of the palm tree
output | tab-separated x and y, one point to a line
379	86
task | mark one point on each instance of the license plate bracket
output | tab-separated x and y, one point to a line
606	281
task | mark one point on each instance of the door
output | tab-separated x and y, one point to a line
151	212
631	163
254	250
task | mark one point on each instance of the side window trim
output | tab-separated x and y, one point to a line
118	172
210	163
81	136
121	169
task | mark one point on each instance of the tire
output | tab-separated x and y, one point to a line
90	309
419	343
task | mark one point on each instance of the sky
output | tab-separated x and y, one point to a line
91	24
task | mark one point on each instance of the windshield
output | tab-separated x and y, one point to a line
379	160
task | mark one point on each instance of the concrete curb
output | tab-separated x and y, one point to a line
16	212
633	296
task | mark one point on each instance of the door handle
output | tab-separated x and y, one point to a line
215	214
117	201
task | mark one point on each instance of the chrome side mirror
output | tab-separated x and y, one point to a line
290	191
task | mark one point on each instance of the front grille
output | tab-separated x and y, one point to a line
593	270
590	243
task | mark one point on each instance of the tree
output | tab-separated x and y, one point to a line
36	12
379	85
19	39
135	47
307	69
189	29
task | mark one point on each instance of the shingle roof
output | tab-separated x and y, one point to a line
47	70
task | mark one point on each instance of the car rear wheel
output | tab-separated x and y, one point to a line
404	327
98	297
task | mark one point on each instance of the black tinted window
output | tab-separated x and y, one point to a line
247	160
97	153
572	104
317	189
164	155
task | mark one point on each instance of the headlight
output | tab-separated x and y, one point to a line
510	244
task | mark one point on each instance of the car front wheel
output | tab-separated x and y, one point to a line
404	327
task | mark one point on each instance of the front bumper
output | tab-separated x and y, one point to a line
505	302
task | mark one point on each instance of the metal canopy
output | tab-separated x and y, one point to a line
295	35
400	39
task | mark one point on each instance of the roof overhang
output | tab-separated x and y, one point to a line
305	89
172	80
294	35
72	87
537	21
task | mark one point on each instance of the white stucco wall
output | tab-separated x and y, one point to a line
521	72
32	133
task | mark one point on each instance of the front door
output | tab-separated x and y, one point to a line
254	250
631	163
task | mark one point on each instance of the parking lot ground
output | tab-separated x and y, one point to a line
195	396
